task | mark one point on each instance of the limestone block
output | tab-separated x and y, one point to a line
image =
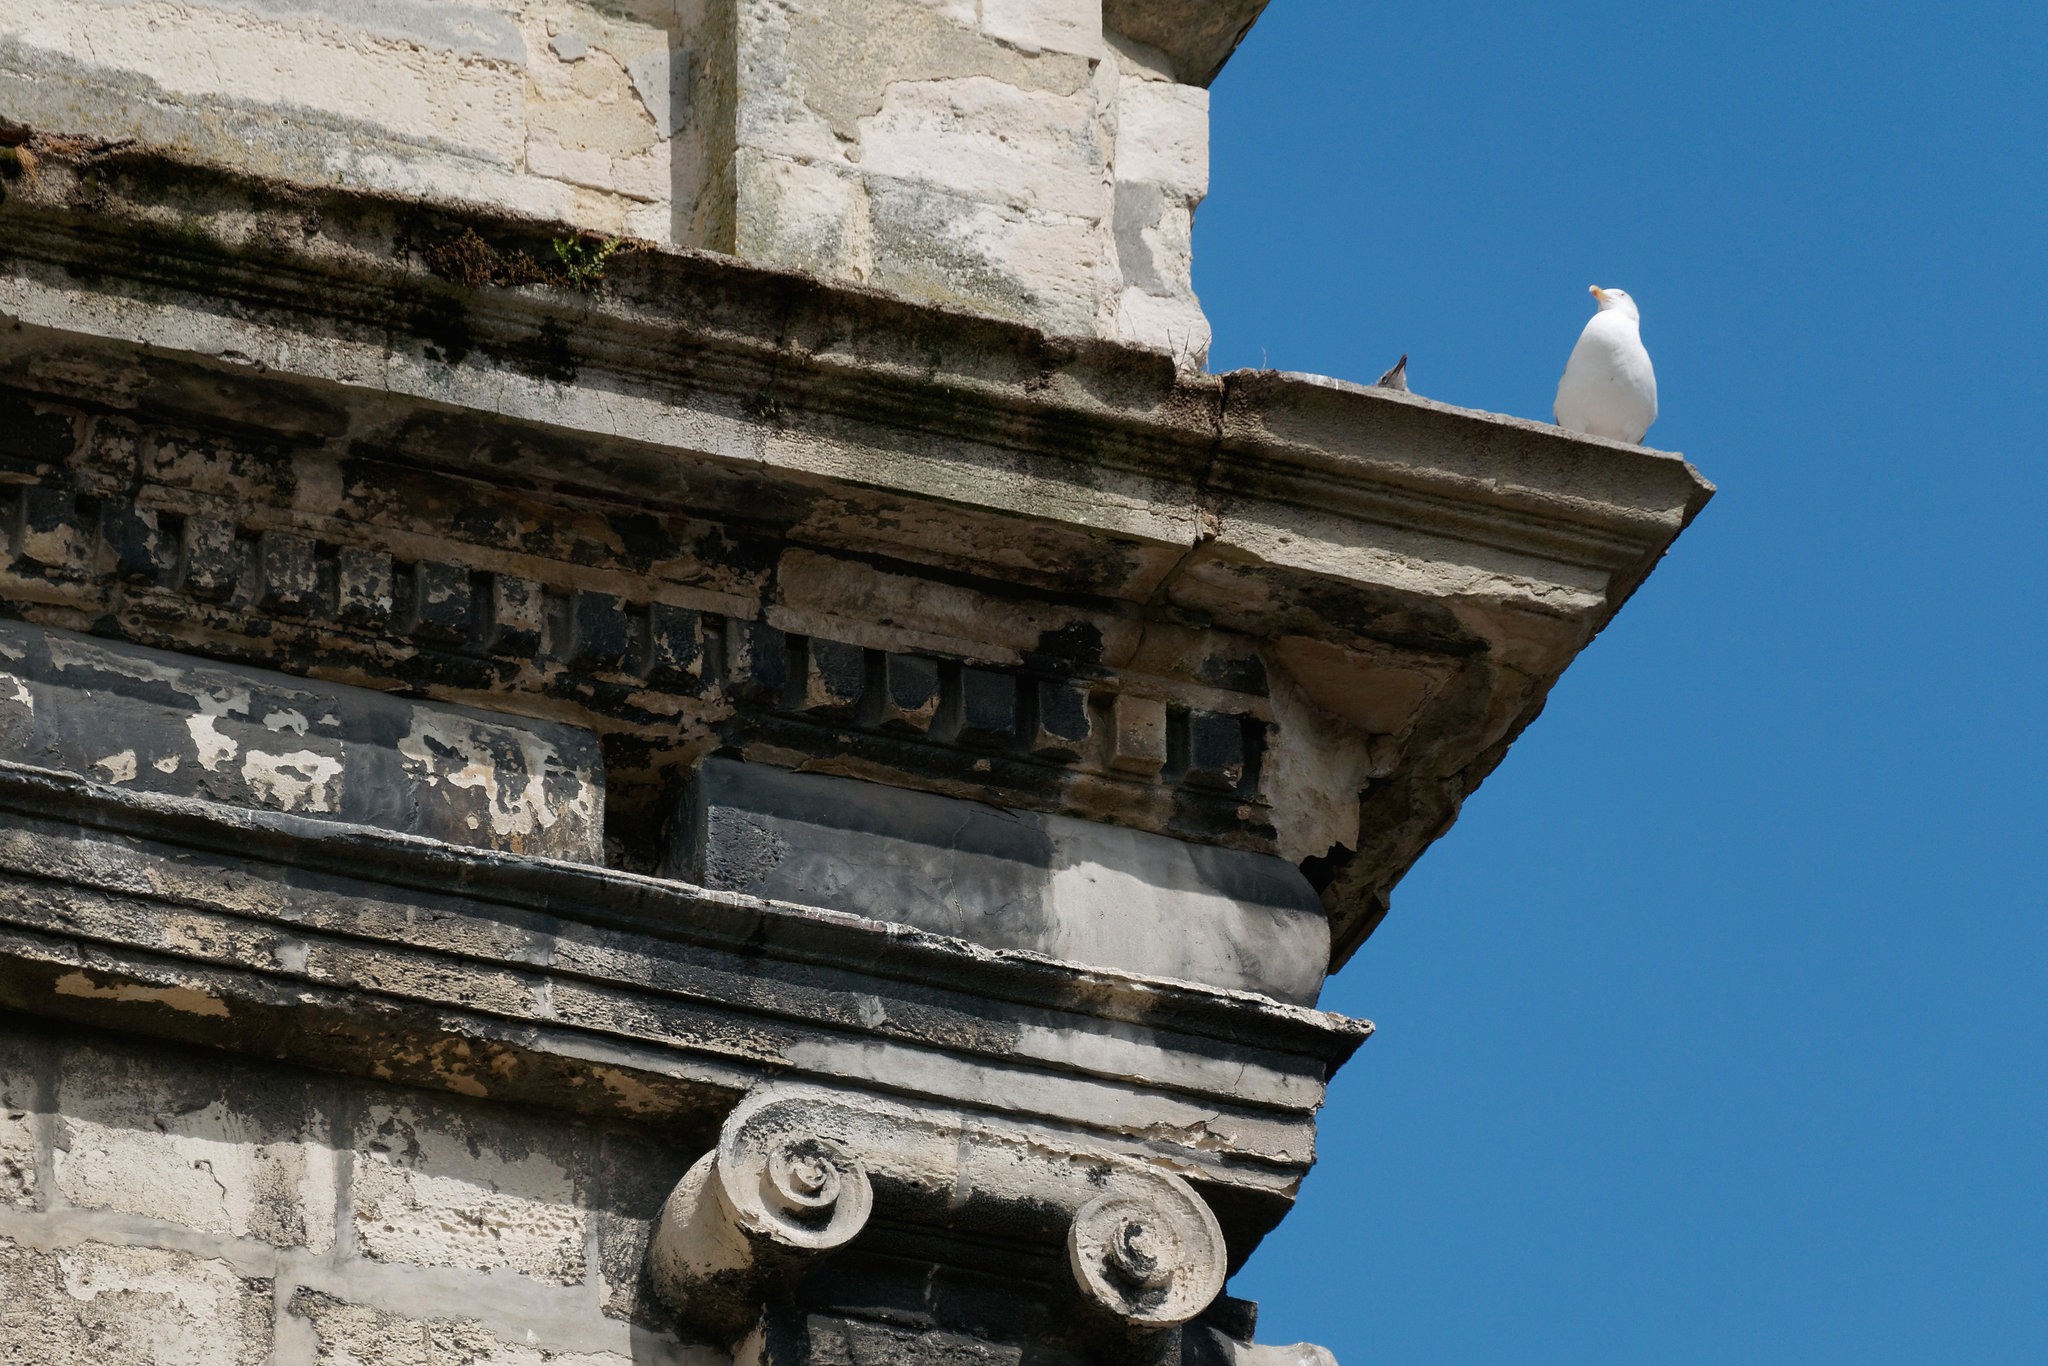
598	111
1162	174
1157	307
1070	889
1313	771
829	62
1174	324
463	89
803	214
548	107
979	138
961	12
932	244
348	1334
1139	744
1045	25
211	1147
433	1188
18	1060
1162	135
892	143
95	1305
629	119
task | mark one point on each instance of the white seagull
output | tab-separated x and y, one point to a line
1608	387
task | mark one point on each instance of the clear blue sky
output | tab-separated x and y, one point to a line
1717	1029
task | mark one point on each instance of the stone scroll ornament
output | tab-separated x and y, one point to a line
798	1170
749	1216
1153	1259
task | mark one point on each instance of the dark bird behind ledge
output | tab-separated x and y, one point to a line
1396	378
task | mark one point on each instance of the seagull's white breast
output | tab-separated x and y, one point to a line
1609	388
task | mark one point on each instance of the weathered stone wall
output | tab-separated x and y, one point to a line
559	109
1005	156
921	765
176	1207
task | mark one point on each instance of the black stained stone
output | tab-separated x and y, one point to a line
840	672
1079	641
29	439
913	682
761	662
1063	724
291	577
676	646
211	566
604	633
441	601
988	708
516	613
141	551
364	593
1215	749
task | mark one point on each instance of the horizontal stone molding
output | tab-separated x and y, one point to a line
1078	891
798	1171
1420	573
592	990
946	712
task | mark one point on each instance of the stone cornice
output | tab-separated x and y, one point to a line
679	325
1198	38
1333	527
664	909
605	993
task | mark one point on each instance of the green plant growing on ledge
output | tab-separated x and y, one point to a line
584	260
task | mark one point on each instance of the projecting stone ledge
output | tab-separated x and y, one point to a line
1198	38
714	508
605	994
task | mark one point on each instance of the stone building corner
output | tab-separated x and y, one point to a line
652	712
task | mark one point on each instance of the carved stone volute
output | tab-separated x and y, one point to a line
798	1171
751	1214
1150	1257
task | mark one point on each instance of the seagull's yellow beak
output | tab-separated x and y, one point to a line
1597	292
